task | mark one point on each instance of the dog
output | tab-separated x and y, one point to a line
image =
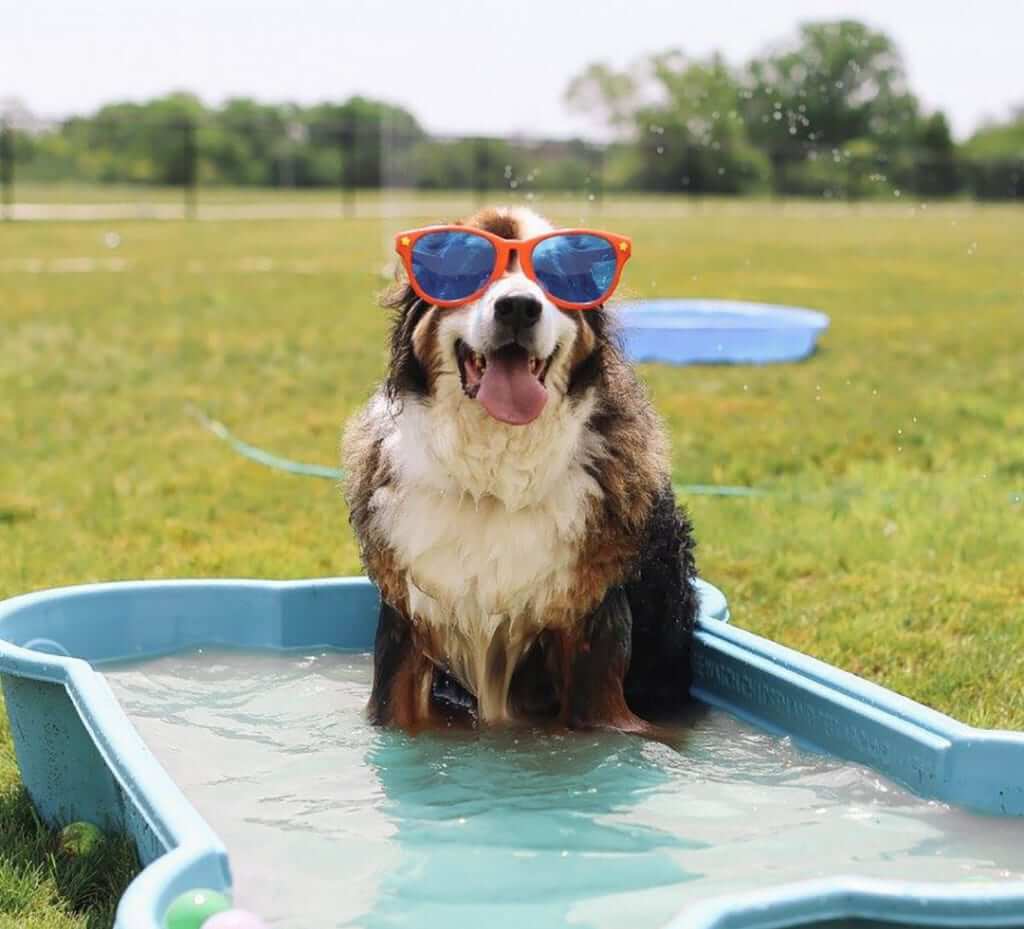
510	491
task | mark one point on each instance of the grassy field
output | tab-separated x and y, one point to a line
892	543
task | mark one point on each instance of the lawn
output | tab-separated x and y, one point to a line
891	543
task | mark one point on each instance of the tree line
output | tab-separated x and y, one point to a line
827	112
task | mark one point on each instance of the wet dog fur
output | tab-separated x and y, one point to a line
538	572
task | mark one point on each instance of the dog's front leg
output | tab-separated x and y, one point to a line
594	664
402	674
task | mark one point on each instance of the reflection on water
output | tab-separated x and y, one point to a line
514	828
330	822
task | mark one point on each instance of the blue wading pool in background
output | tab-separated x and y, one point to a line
81	759
687	332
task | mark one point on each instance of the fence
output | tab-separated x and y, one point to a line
141	156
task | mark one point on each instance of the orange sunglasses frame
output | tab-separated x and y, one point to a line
405	241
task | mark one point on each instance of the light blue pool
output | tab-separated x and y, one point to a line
81	759
687	332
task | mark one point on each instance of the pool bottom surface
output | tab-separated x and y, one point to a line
330	822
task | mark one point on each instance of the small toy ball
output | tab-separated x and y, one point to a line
80	839
193	908
235	919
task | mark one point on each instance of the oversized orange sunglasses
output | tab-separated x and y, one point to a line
450	266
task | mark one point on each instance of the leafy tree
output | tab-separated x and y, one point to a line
834	82
137	142
998	140
240	143
994	159
935	171
365	132
611	95
688	135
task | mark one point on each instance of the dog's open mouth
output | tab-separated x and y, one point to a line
508	382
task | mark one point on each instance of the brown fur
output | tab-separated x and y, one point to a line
494	221
632	472
369	471
630	475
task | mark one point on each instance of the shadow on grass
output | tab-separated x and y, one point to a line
38	880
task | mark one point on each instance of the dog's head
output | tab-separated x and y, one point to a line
512	351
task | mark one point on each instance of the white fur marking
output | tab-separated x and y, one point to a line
486	518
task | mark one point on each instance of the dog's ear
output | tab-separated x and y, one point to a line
407	373
596	338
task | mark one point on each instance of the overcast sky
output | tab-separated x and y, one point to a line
489	66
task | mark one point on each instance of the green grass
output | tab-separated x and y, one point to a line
892	545
40	887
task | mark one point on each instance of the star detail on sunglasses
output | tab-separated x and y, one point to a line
623	246
406	240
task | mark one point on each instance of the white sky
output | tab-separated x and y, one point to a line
489	66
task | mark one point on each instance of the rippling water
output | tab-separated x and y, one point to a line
330	822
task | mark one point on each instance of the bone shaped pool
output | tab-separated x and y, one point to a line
331	822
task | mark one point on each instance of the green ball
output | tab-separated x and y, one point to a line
80	839
192	909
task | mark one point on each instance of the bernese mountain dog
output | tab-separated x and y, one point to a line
509	487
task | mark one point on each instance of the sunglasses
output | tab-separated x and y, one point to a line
450	266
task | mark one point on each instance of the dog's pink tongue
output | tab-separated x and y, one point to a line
508	391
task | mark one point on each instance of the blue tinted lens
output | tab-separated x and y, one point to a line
575	268
452	265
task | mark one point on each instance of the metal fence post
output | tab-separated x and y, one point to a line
346	175
189	176
481	168
597	177
7	168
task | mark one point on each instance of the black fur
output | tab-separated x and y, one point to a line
534	689
588	372
406	373
391	647
457	703
664	605
607	634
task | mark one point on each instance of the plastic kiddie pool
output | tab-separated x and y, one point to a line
718	331
81	759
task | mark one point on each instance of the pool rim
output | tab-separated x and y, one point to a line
761	316
195	856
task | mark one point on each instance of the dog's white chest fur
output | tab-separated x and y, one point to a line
486	522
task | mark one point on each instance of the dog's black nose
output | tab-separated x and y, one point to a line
517	312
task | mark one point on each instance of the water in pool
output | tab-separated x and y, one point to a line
330	822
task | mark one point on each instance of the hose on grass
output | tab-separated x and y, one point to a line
303	469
